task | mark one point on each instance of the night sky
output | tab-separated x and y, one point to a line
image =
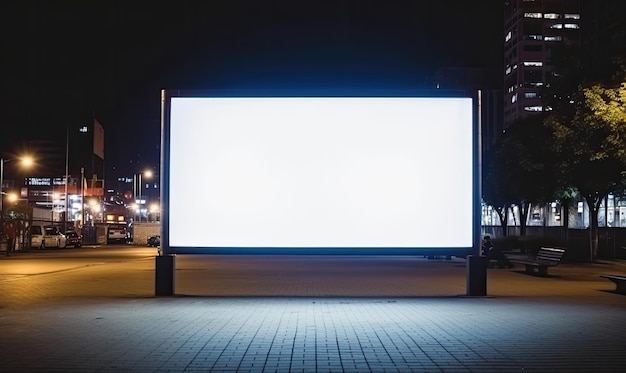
61	62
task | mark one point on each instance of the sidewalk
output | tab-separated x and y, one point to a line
313	314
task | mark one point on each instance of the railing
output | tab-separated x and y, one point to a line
611	240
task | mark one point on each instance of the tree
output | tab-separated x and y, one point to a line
494	191
590	145
521	170
21	213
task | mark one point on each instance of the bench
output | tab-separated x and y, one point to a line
620	282
538	264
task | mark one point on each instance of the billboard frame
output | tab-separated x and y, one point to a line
167	251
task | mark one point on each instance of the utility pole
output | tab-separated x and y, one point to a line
67	155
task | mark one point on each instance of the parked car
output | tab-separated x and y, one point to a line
154	241
42	236
116	233
73	239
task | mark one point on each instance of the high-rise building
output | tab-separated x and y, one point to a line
533	30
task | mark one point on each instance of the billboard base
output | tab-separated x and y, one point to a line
164	275
476	275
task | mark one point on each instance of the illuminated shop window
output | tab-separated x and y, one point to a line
532	15
552	38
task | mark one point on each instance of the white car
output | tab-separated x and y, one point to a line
42	236
116	233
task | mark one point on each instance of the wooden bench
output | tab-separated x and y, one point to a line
620	282
538	264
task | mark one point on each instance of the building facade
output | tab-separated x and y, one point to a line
533	30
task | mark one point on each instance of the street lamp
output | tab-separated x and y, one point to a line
67	164
154	210
12	197
25	161
138	196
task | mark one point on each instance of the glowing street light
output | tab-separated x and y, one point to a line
12	197
139	196
25	161
94	208
154	210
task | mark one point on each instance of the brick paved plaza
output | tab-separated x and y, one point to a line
309	314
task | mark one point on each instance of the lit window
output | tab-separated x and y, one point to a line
533	63
514	66
530	95
551	16
548	108
533	108
552	38
508	70
572	16
514	98
532	15
557	26
535	84
534	37
508	36
571	25
511	89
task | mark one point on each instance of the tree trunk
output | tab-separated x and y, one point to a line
524	208
594	207
565	216
513	215
502	215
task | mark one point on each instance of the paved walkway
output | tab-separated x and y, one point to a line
311	314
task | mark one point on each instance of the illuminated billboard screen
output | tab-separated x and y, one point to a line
318	173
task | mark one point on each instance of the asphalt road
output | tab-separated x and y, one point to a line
46	261
128	270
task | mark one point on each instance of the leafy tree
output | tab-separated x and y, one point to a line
521	171
585	91
590	145
21	213
495	192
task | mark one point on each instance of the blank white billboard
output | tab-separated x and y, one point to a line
320	172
